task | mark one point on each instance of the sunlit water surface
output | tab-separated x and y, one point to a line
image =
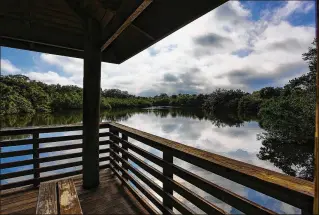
193	129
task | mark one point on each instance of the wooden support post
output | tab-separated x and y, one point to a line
124	156
168	157
316	152
91	103
36	165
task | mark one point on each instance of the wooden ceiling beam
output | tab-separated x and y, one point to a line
128	21
142	32
91	8
37	19
40	47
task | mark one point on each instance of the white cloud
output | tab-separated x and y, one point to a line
8	68
290	8
201	55
50	78
69	65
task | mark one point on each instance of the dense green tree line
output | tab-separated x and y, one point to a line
20	95
287	115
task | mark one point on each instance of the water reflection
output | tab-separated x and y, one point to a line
223	134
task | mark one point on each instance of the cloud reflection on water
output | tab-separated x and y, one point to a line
237	142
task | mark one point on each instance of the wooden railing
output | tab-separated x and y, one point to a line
294	191
37	150
127	160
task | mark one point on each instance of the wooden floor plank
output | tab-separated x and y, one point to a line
109	198
47	199
68	198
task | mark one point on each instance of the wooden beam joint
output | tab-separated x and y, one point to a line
127	23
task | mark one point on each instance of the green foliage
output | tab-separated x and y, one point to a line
222	100
290	117
288	139
248	106
22	95
127	103
11	102
116	93
289	124
269	92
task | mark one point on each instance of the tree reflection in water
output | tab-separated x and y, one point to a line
294	156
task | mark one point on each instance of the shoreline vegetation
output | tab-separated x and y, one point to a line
20	95
286	114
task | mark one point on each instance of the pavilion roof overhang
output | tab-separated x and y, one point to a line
128	26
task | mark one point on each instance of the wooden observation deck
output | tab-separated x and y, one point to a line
113	31
124	183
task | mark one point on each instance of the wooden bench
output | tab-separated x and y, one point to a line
58	198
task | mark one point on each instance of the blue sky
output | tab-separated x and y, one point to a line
261	40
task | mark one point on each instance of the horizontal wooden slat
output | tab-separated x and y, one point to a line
104	142
225	195
107	158
59	176
17	174
40	160
60	148
46	169
101	151
16	163
60	138
59	157
32	130
104	134
139	197
143	190
9	143
16	184
104	166
44	159
59	166
175	202
289	189
185	192
16	153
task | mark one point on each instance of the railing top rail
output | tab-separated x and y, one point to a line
255	173
45	129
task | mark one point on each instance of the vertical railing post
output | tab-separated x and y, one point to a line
124	156
167	171
36	165
114	140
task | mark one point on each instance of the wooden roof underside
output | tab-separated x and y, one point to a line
55	27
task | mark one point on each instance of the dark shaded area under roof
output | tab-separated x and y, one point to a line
55	27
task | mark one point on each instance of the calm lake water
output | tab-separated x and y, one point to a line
229	137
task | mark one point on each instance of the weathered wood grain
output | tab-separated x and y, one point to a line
295	191
68	198
47	199
109	198
189	195
233	199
